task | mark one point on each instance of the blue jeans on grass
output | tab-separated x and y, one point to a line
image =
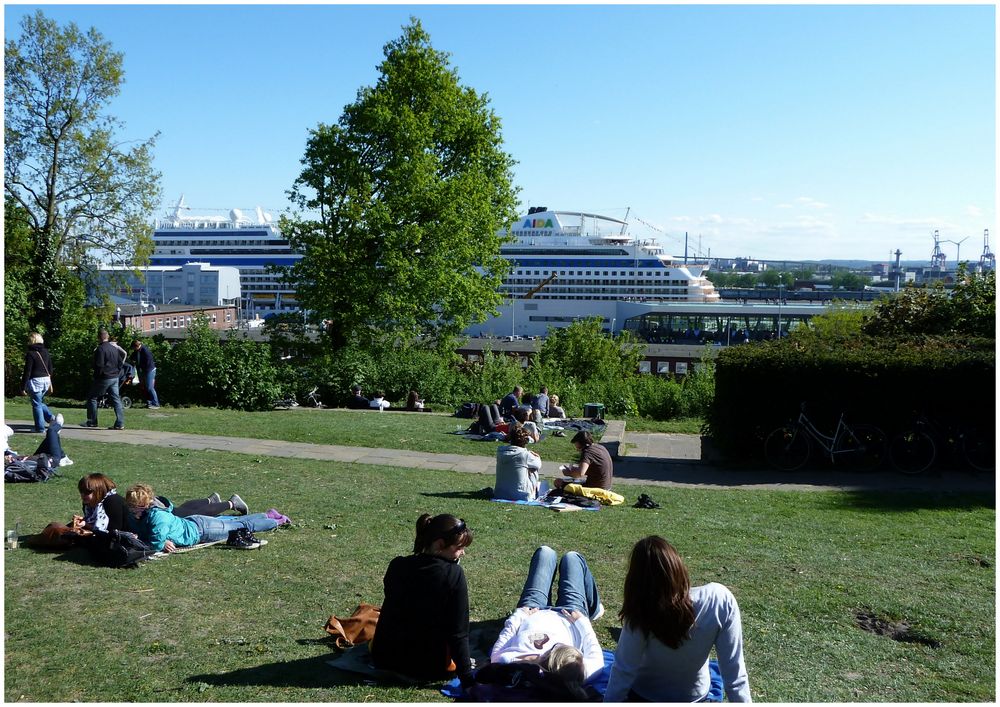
149	380
98	388
213	529
576	590
51	445
39	410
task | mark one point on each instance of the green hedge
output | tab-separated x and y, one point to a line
886	384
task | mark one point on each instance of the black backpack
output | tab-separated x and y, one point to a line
41	468
468	410
118	549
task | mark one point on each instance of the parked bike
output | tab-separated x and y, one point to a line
789	447
285	403
312	398
918	448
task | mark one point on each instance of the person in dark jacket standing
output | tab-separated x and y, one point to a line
108	360
423	628
37	380
146	366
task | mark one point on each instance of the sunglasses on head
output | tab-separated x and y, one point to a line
459	527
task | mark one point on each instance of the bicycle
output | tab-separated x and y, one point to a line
312	398
915	450
789	447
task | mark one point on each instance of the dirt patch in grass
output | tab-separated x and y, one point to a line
901	631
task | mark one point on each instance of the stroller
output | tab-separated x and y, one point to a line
128	373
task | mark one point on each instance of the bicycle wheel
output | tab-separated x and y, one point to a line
912	452
787	448
979	449
863	447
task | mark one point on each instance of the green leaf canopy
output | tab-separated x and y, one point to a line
403	197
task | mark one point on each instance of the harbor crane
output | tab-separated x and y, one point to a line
987	261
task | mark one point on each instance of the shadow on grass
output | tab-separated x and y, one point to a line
318	672
906	501
482	494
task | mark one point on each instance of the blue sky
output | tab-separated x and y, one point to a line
786	131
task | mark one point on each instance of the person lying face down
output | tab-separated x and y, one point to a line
167	532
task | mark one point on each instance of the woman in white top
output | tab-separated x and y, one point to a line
668	630
558	637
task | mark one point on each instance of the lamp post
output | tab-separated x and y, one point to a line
781	287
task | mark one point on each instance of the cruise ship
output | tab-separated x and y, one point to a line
251	244
571	255
570	265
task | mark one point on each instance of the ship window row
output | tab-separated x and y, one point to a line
594	281
227	241
577	273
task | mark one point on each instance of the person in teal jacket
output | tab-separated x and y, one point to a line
166	532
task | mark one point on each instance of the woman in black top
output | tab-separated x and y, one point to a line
37	379
423	628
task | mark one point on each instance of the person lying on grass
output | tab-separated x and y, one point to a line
668	630
521	418
166	532
423	628
558	636
104	509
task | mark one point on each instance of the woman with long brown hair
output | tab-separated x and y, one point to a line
423	627
669	629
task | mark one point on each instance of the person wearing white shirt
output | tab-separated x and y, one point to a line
668	630
559	637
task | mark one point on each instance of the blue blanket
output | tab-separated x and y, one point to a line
599	681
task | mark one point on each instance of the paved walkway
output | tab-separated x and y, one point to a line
650	459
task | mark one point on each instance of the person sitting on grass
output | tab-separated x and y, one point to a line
357	401
521	418
414	403
669	628
166	532
104	509
595	464
423	627
557	636
379	402
517	468
555	411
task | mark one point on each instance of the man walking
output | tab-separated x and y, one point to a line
146	366
108	360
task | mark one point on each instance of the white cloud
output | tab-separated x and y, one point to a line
927	223
973	210
782	206
811	203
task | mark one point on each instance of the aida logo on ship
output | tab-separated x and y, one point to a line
538	223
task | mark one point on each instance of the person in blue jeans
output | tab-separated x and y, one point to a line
37	379
557	636
166	532
107	366
146	366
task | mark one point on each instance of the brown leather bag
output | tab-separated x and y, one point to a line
357	628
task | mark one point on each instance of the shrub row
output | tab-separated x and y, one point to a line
883	383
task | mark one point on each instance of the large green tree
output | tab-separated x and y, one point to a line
401	203
85	192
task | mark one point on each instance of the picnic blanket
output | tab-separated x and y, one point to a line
558	507
359	660
160	555
599	682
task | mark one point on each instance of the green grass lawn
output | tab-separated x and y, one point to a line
422	432
219	625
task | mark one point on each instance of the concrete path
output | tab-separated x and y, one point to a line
649	459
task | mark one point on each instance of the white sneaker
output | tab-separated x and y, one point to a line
65	461
60	420
600	612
